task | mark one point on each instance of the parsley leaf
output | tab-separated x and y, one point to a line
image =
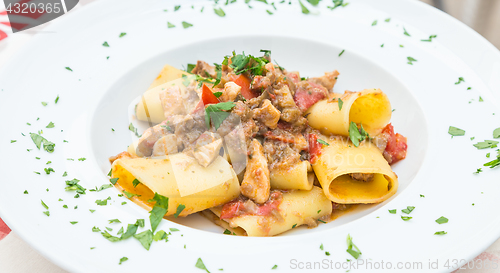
304	9
341	52
408	209
186	24
114	221
496	133
460	79
122	34
102	202
374	23
113	180
350	250
275	266
145	238
44	205
392	211
124	259
442	220
50	125
454	131
322	142
215	112
486	144
314	2
440	233
136	182
130	195
160	235
131	230
170	25
406	218
180	208
406	32
219	12
340	103
110	237
105	44
411	60
430	38
199	264
133	130
39	141
67	68
357	135
159	210
140	222
72	185
96	229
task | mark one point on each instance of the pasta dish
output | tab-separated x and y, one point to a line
258	149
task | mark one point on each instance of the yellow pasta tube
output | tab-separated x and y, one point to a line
340	159
370	107
167	74
294	178
150	108
180	179
297	208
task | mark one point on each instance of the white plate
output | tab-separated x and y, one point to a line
94	99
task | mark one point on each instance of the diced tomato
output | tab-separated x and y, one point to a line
207	96
314	147
244	82
305	98
396	145
294	76
231	209
237	207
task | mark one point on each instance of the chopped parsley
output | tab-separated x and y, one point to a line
50	125
140	222
199	264
103	187
105	44
114	221
67	68
460	79
430	38
357	135
406	218
406	32
341	52
113	180
387	20
269	12
159	210
275	266
131	230
303	8
176	8
136	182
124	259
350	246
25	192
48	170
216	113
322	142
321	247
454	131
186	24
408	209
294	225
486	144
47	213
496	133
173	229
340	103
39	141
440	233
72	185
110	237
44	205
219	12
374	23
442	220
130	195
44	103
96	229
411	60
122	34
13	141
102	202
133	129
160	235
392	211
74	222
180	208
170	25
422	195
145	238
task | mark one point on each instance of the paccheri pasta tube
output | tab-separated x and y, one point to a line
295	209
179	178
370	107
294	177
167	74
352	175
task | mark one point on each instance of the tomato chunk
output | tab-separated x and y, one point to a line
244	82
207	96
314	147
396	145
237	207
307	95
